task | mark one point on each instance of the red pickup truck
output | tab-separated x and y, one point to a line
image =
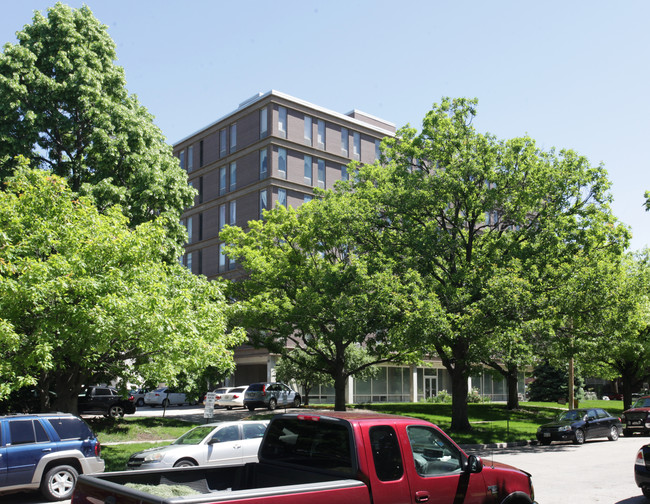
351	457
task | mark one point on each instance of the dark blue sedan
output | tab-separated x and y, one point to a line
642	471
578	425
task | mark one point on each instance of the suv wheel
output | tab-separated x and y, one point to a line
116	411
59	483
272	404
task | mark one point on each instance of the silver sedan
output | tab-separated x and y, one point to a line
222	443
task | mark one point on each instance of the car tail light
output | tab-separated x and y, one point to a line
235	396
639	458
131	398
98	449
264	390
313	418
217	397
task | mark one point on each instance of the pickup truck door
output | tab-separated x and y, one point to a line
389	484
225	447
435	466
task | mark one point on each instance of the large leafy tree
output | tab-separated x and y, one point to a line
85	299
64	105
461	208
310	287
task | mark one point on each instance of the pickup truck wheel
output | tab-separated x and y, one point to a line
613	433
185	463
59	483
272	404
116	411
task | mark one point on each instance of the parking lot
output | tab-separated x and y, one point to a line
599	471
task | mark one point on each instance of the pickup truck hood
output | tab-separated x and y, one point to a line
487	465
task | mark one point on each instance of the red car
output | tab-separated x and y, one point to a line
637	418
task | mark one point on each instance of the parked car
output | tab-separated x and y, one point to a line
270	395
233	398
578	425
222	443
46	452
218	391
165	396
138	396
105	401
637	418
642	470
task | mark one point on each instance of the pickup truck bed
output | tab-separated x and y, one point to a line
215	484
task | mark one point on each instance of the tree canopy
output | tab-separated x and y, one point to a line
64	105
310	286
86	299
462	209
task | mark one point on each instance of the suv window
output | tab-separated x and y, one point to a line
22	432
255	387
71	428
103	391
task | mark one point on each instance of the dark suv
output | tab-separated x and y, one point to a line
104	401
270	395
47	452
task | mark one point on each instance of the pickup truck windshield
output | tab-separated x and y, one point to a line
309	443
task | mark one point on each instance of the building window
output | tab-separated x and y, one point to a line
200	226
344	172
321	173
263	122
233	176
222	216
345	142
181	159
233	137
321	134
223	145
200	189
263	164
282	162
263	202
200	261
190	158
309	132
356	148
222	258
223	188
189	229
201	153
306	198
282	197
189	261
282	122
377	149
308	171
233	213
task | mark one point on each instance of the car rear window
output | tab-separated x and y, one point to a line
71	428
255	387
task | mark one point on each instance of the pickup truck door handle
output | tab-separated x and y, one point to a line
421	496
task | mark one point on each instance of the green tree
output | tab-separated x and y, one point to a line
64	105
461	208
84	298
310	288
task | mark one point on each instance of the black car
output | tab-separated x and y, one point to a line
578	425
105	401
642	470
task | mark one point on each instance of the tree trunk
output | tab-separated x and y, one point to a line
513	394
339	392
627	391
459	390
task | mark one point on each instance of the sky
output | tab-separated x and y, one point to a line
570	74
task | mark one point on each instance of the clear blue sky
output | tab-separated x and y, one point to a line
571	74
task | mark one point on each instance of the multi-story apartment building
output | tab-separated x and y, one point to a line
273	150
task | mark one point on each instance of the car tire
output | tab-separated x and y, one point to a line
613	433
250	408
646	492
165	403
58	483
579	436
185	463
296	402
228	408
116	411
272	404
545	442
627	432
140	403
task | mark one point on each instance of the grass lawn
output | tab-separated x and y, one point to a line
491	423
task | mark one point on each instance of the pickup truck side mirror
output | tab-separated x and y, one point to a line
474	464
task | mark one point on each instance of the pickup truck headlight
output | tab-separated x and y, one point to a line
154	457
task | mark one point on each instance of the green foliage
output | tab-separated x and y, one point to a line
84	298
552	384
64	105
441	397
